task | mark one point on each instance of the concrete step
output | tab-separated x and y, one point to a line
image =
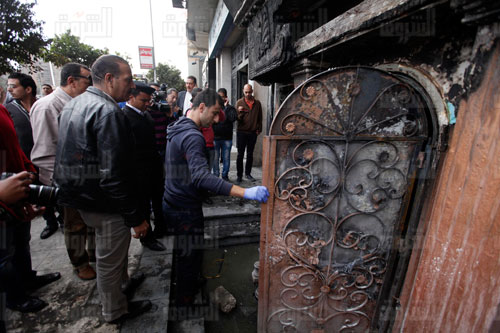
230	221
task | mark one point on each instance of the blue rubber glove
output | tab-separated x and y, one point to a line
259	193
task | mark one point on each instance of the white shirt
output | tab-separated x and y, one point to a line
135	109
187	101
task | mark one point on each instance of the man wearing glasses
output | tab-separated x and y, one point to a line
95	173
75	79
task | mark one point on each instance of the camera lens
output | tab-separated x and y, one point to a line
43	195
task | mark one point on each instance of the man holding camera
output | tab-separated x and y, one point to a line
163	111
95	173
75	79
17	277
149	166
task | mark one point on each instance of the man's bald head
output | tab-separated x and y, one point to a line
248	92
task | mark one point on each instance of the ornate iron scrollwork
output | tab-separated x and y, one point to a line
348	138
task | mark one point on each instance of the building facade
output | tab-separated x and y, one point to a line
381	154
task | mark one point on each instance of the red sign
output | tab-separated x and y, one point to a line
146	57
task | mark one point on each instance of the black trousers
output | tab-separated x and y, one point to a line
245	141
156	204
15	259
50	217
186	224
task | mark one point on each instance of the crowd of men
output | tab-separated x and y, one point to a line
113	166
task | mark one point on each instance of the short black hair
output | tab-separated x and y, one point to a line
192	78
141	87
222	90
107	63
71	69
194	92
208	97
25	80
154	84
46	84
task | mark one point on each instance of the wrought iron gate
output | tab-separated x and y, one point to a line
340	163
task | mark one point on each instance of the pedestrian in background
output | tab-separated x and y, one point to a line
223	137
249	127
75	79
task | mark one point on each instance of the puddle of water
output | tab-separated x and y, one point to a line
235	276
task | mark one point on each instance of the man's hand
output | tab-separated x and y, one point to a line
30	212
259	193
15	188
141	230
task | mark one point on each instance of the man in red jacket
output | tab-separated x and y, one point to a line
16	274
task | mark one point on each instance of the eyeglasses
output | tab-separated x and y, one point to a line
85	77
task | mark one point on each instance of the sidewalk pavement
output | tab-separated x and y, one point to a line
74	304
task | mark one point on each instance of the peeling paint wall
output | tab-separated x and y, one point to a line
456	287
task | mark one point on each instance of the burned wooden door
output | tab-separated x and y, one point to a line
340	166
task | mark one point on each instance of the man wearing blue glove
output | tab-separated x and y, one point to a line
187	179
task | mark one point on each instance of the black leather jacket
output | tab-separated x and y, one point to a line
94	167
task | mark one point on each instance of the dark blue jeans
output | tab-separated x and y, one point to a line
222	147
186	224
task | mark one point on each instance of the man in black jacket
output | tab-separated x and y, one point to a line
223	136
184	98
148	161
95	173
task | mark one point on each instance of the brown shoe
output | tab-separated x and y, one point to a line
86	273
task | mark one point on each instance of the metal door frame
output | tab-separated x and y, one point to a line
411	211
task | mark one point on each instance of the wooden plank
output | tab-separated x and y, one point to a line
456	287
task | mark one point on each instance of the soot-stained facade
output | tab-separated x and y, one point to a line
381	159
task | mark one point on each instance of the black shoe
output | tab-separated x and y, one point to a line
153	245
239	180
42	280
135	309
226	178
249	177
48	231
208	201
135	282
27	304
159	232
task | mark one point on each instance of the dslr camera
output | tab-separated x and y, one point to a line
159	100
40	195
